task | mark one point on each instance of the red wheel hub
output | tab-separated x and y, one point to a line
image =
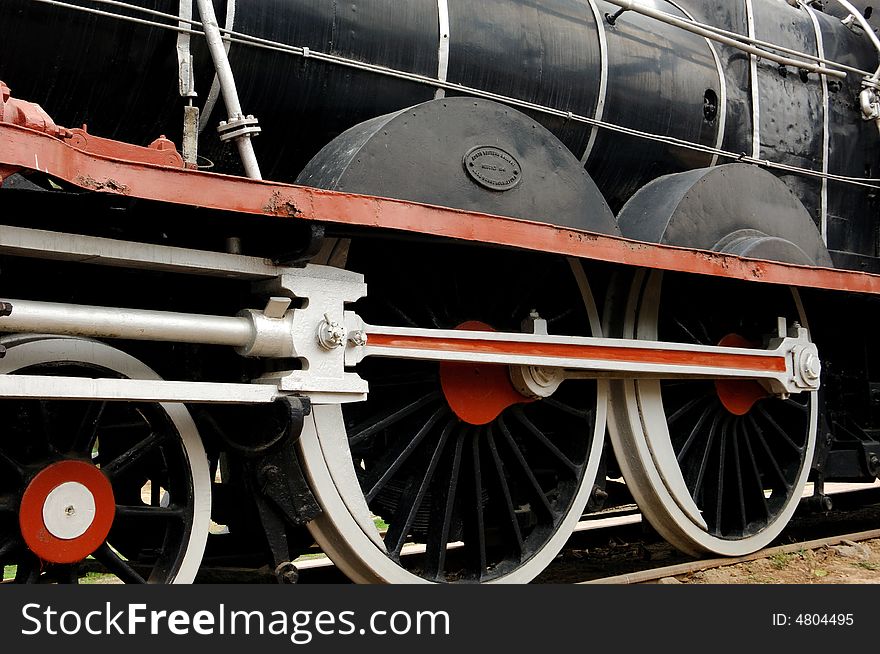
739	396
66	511
478	393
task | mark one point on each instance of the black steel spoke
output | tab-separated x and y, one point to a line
478	502
722	456
704	463
774	464
685	408
537	433
739	476
433	317
793	403
8	504
28	571
373	424
398	529
134	454
695	433
152	512
687	332
7	546
759	486
46	422
505	490
779	430
400	314
585	414
69	574
117	566
12	464
518	455
389	464
438	539
88	428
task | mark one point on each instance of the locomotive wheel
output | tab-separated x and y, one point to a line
488	482
123	484
716	467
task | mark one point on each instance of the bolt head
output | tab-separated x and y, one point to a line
811	366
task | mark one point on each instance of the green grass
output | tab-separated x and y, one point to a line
780	560
89	578
867	565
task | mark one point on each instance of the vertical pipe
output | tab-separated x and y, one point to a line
443	49
756	95
603	78
227	86
823	199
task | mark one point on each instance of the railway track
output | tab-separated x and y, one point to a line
616	546
633	553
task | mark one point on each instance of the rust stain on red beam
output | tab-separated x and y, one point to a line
583	352
27	149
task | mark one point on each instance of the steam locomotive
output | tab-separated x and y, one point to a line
429	403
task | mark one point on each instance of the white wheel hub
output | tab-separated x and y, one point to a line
69	510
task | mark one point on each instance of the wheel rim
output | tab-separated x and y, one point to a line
421	467
715	467
128	484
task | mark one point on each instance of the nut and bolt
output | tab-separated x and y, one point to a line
331	334
811	366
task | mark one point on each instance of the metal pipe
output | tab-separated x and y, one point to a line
709	34
227	86
131	324
855	13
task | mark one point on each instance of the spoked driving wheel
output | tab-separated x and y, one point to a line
91	486
476	481
716	466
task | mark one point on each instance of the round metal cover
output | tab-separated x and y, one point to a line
493	168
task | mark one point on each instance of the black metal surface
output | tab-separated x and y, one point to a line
122	78
753	214
648	91
464	153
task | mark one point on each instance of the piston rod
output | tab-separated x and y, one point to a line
132	324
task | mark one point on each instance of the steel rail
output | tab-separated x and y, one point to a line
654	574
